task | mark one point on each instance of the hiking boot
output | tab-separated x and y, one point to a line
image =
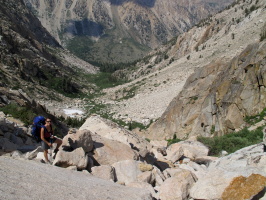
46	162
49	162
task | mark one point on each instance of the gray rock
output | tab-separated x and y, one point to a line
7	146
81	138
108	152
177	186
113	131
105	172
77	158
158	175
27	148
72	184
8	135
33	154
127	171
16	140
1	133
16	154
220	173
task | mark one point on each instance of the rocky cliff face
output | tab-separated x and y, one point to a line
31	59
217	97
130	25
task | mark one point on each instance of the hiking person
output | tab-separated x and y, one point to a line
48	139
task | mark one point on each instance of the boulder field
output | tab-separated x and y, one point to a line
102	160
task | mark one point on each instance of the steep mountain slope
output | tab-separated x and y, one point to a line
32	60
119	31
217	97
34	67
160	78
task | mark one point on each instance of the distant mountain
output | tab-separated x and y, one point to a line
115	31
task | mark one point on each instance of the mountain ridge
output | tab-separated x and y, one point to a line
129	25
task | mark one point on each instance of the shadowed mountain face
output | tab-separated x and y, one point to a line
147	3
87	28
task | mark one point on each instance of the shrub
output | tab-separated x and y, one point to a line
256	118
212	129
22	113
233	141
73	122
174	140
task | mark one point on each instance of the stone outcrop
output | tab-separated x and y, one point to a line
113	131
83	145
189	149
108	152
245	167
76	158
177	187
127	171
228	93
74	140
245	187
106	172
14	136
59	183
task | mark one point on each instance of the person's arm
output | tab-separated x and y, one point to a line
43	138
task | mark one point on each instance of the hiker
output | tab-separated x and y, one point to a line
48	139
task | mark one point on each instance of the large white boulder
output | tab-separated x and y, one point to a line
113	131
177	186
144	185
76	139
190	149
106	172
221	175
107	152
77	158
128	171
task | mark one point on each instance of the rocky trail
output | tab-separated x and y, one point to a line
24	179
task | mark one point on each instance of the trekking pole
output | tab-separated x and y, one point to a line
51	150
